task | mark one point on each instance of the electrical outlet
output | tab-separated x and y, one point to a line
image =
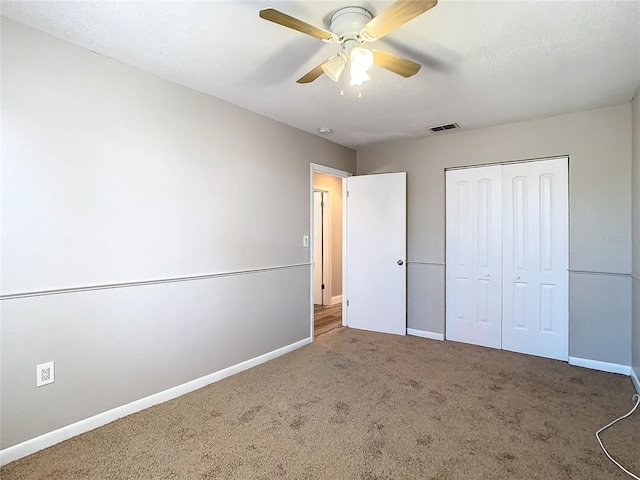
305	240
44	374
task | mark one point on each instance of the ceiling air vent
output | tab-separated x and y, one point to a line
442	128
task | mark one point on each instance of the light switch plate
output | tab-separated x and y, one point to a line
305	241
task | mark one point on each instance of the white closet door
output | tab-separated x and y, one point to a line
535	249
474	256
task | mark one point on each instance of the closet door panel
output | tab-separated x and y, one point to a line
535	255
474	256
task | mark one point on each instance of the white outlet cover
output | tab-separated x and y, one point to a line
45	374
305	241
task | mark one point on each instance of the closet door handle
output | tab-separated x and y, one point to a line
400	262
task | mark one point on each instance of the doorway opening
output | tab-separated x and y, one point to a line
327	247
321	247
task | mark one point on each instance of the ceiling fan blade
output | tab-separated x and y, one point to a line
285	20
311	75
395	64
397	15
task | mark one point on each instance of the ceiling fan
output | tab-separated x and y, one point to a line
351	28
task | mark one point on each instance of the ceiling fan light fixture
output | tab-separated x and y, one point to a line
334	67
358	77
361	59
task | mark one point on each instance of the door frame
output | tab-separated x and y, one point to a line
326	243
317	168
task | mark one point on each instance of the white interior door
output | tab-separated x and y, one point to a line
536	258
317	248
376	251
474	256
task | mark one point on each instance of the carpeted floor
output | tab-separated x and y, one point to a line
362	405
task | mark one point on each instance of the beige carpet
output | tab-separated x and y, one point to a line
361	405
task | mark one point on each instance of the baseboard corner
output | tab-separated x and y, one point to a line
425	334
602	366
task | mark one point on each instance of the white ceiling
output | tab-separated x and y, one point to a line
484	63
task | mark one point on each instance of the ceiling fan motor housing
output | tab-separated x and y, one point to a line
349	22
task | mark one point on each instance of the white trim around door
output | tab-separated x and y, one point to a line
317	168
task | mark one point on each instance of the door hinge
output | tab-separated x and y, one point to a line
347	303
322	286
347	193
321	204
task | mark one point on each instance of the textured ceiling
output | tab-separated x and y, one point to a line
484	63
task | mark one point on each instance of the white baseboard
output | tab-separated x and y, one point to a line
48	439
603	366
425	334
336	300
635	380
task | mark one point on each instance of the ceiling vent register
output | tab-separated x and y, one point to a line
442	128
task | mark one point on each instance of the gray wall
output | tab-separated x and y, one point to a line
113	177
635	345
598	143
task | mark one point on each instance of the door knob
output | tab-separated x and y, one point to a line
400	262
487	275
518	278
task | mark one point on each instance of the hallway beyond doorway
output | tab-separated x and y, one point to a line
326	318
